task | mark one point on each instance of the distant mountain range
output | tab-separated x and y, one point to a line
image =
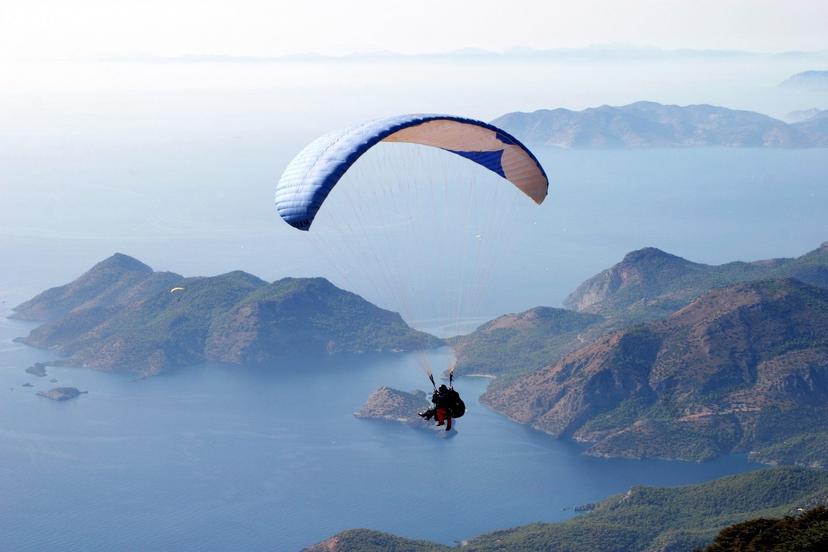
804	114
654	125
644	519
813	80
123	316
594	52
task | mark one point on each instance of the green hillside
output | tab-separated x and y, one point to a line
642	519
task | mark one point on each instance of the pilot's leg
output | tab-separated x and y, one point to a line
441	416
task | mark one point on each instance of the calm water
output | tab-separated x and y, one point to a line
176	165
218	458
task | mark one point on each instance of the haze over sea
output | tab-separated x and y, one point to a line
220	458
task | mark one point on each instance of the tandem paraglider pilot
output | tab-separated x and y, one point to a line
447	405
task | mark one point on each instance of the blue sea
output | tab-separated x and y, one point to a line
240	458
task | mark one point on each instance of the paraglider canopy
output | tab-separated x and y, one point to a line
313	173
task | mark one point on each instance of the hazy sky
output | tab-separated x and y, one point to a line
91	28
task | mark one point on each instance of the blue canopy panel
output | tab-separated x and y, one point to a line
312	174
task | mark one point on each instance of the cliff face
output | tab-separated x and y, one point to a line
302	316
733	370
119	317
650	124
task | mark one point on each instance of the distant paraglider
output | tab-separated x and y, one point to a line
177	291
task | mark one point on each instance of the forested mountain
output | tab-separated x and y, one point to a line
646	285
644	519
122	316
649	283
522	342
742	368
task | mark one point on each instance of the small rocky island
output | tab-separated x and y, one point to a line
61	393
37	369
398	406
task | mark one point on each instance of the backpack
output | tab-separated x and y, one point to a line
457	406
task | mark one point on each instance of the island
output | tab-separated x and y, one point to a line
37	369
391	404
807	80
122	316
654	125
397	406
61	393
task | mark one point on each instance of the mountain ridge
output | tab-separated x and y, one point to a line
528	338
735	370
814	80
105	282
650	283
122	316
646	124
646	285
